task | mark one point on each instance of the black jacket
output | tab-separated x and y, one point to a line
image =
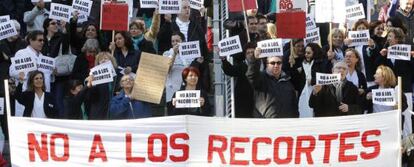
325	104
131	60
51	48
274	98
203	110
408	22
243	91
72	105
80	68
97	101
27	100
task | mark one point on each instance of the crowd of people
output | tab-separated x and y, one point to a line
273	87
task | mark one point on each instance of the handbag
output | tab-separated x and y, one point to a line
64	62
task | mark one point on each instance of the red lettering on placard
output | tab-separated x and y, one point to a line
129	157
65	139
255	149
343	146
219	150
33	145
328	139
184	147
234	150
375	144
276	157
97	142
151	139
306	150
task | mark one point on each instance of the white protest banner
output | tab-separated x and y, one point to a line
189	50
35	1
270	47
310	22
7	29
148	3
4	18
330	11
326	79
355	12
359	38
169	6
82	6
82	18
399	52
102	74
312	36
45	64
23	63
60	12
187	99
194	141
196	4
1	106
386	97
229	46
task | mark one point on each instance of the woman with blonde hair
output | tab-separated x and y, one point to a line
384	78
271	31
338	47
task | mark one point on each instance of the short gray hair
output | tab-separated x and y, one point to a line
91	44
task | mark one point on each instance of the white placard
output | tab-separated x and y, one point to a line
196	4
310	22
1	106
60	12
101	74
355	12
365	140
330	11
229	46
4	18
82	6
169	6
190	50
23	63
359	38
148	3
399	52
270	47
187	99
327	79
45	64
312	36
82	18
7	29
384	97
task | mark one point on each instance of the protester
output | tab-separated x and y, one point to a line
37	102
140	43
384	78
293	57
126	57
89	31
34	19
336	99
124	106
86	60
73	101
338	47
405	14
243	91
274	95
190	77
354	74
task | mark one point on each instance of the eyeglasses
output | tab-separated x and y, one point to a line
275	62
125	80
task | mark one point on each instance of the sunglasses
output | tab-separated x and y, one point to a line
275	62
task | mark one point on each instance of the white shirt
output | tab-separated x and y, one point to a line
183	27
38	110
353	78
174	78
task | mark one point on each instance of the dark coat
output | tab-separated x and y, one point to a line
131	60
72	105
274	98
243	91
80	68
97	101
408	22
51	48
325	104
27	100
203	110
299	77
